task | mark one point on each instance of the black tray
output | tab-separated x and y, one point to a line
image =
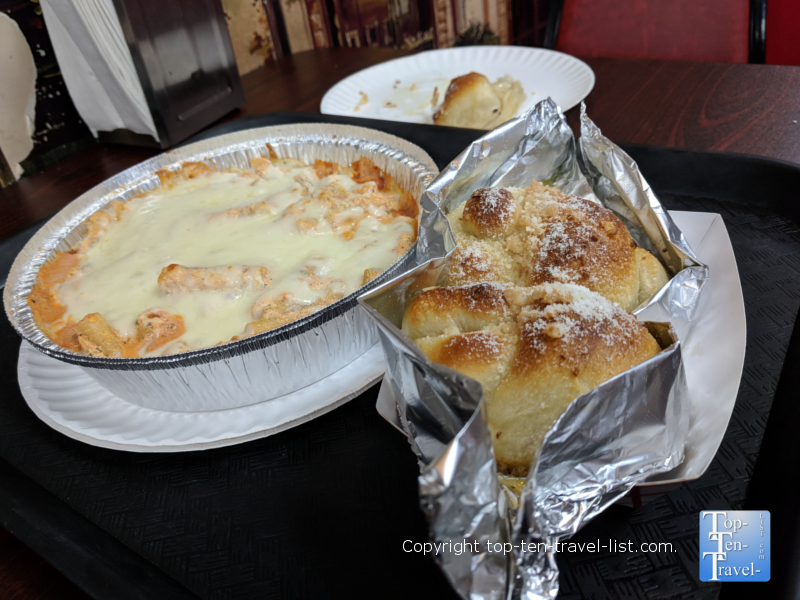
322	510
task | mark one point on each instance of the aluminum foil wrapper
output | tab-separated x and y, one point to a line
256	368
540	146
617	182
630	428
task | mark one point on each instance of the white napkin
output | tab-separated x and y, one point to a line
17	94
97	65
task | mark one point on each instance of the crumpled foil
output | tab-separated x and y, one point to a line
628	429
253	369
617	182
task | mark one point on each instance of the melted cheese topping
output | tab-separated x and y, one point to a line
315	250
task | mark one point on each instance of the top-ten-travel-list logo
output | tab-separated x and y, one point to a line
734	545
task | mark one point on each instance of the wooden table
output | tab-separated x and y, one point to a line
702	106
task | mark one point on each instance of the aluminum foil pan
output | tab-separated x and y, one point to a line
630	428
257	368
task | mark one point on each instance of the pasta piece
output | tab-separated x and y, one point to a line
156	327
177	278
97	338
369	275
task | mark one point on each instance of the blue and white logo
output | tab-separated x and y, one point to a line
734	545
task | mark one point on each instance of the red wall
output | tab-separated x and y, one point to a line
783	32
710	30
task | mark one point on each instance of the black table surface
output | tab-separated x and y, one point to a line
322	510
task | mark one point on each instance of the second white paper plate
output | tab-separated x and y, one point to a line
402	89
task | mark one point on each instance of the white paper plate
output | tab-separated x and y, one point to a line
67	399
542	73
